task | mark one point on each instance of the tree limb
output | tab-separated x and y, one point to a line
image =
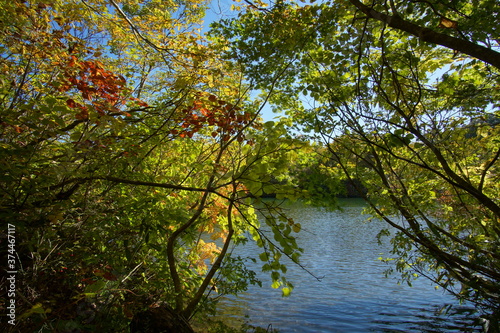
430	36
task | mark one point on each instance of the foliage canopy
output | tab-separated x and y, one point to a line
405	96
132	159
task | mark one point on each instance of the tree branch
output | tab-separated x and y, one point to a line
188	311
430	36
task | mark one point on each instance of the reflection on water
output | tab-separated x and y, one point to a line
353	294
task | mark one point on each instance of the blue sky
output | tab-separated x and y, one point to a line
221	9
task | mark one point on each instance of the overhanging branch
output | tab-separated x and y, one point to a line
430	36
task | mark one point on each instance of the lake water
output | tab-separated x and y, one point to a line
353	294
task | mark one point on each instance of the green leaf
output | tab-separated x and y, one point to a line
95	287
286	291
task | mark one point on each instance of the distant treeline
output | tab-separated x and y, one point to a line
316	172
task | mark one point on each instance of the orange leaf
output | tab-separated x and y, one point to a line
197	104
447	23
73	61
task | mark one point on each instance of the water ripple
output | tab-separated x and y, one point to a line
354	295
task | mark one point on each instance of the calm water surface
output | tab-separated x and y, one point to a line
353	294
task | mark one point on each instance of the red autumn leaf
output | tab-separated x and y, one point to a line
89	281
109	276
86	95
71	103
83	115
